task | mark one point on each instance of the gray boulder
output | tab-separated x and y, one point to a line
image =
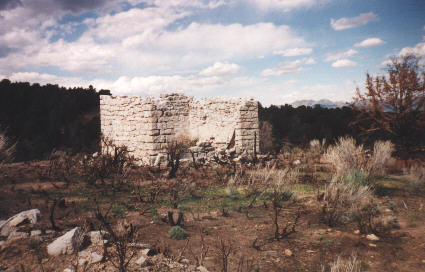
67	243
8	226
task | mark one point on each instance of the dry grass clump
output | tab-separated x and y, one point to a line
416	174
351	264
346	202
339	199
347	156
7	149
381	157
272	175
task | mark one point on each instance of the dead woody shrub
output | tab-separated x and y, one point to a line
175	149
113	162
118	251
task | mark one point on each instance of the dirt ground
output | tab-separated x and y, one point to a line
313	247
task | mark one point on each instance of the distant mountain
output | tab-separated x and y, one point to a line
324	103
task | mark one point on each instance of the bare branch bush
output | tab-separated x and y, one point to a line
148	195
176	189
62	165
225	249
118	251
113	162
203	250
175	149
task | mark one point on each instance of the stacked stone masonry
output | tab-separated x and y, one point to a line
145	124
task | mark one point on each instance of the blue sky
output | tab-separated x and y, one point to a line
276	51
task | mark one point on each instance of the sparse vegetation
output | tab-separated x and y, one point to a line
177	233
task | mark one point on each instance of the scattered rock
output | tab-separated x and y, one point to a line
296	162
141	260
16	235
35	233
288	252
86	257
7	226
388	210
95	258
202	269
372	245
184	261
96	237
68	270
372	237
149	252
67	243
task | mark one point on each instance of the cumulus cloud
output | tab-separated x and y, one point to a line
342	55
370	42
417	50
288	67
286	5
43	78
294	52
219	69
342	63
346	23
154	48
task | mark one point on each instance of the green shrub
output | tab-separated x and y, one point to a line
119	211
357	178
177	233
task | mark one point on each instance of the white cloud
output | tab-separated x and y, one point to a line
153	49
417	50
288	67
342	63
220	68
43	78
346	23
370	42
286	5
338	56
211	4
294	52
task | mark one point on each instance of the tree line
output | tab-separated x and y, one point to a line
41	119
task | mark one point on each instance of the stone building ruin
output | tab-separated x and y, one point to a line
146	124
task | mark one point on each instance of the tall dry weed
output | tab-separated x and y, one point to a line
381	157
346	156
351	264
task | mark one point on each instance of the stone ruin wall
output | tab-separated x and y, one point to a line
145	125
